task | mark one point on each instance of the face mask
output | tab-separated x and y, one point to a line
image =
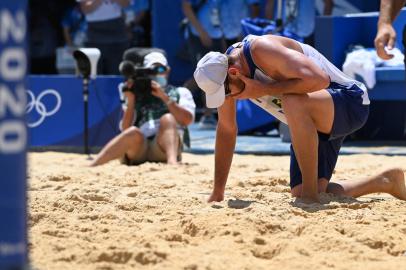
161	80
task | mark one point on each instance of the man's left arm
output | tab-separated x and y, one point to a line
183	116
296	74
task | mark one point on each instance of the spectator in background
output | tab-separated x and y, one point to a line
231	14
204	31
74	27
386	35
298	17
138	22
106	31
153	124
203	34
270	8
45	34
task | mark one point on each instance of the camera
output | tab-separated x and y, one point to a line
136	73
86	61
138	79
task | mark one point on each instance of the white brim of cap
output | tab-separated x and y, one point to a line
216	99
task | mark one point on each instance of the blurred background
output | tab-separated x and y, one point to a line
334	27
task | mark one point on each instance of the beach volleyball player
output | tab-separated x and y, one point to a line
300	87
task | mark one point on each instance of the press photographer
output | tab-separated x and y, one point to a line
155	117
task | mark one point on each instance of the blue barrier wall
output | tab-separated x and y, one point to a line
13	135
333	35
387	116
55	110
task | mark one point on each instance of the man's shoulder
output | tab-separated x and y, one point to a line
266	41
269	45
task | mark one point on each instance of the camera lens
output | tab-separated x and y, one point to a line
161	69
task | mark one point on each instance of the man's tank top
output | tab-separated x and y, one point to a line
273	104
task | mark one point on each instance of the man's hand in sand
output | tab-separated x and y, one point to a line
385	37
216	197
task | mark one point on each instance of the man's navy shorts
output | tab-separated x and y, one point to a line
349	115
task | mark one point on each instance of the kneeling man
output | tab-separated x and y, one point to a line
299	86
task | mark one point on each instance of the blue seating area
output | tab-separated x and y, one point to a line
334	35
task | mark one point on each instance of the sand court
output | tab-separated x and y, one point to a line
154	216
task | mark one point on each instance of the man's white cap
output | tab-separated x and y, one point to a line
155	58
210	74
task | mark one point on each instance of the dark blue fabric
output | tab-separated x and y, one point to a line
328	155
229	50
248	57
349	115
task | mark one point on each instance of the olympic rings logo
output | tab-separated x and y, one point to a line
39	106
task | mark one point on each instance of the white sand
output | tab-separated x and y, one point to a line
155	216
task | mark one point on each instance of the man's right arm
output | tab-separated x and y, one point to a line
386	35
389	10
225	143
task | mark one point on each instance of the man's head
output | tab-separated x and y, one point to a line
217	75
158	60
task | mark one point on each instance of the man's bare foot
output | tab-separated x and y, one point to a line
309	197
172	162
216	196
394	181
309	200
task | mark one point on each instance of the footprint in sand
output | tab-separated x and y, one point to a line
238	204
35	218
96	197
132	194
150	257
56	233
259	241
265	254
261	169
120	257
59	178
128	207
175	237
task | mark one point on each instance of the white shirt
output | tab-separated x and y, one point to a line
185	101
